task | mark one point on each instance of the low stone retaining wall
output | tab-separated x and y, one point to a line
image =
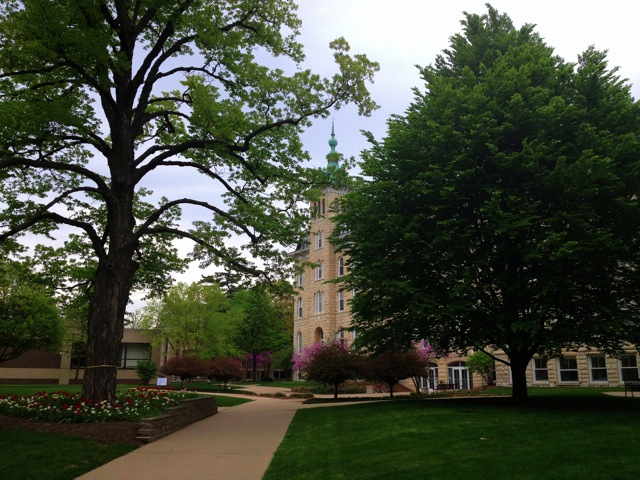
174	418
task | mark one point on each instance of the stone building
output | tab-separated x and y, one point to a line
322	309
585	367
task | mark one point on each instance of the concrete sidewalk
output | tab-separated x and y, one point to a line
236	444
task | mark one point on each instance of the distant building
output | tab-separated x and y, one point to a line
67	367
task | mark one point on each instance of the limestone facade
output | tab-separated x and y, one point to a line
321	308
585	367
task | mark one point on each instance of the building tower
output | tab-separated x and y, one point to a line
321	309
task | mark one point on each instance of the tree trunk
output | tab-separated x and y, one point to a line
519	364
108	305
391	385
335	390
254	366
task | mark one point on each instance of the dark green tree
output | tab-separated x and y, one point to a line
503	208
100	98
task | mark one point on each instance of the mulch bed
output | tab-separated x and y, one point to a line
107	433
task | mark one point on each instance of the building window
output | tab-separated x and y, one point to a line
598	368
540	370
341	339
323	207
299	307
628	367
299	342
319	269
340	266
300	279
131	353
568	369
319	240
318	302
341	301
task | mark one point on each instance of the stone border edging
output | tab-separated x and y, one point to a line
174	418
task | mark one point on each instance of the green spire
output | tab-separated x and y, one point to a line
332	141
333	156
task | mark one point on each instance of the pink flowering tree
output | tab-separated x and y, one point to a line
331	363
392	367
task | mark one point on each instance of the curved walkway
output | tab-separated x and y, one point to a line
236	444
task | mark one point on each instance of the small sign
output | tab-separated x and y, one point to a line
161	381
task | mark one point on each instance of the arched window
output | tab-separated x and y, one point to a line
318	335
299	307
341	301
319	269
319	243
318	302
340	266
300	278
324	207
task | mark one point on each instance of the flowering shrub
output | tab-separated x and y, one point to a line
64	407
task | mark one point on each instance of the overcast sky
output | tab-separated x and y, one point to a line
403	33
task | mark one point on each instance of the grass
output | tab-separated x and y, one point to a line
558	434
29	455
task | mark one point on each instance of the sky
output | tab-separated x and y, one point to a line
401	34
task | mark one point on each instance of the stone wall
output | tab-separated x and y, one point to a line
174	418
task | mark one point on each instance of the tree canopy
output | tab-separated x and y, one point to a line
502	209
193	319
29	317
102	99
261	327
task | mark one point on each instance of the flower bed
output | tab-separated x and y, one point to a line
61	406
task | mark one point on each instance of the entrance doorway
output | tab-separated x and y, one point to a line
459	376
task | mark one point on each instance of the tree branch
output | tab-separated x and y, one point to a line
199	241
151	219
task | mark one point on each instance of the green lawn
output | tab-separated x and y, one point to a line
582	434
30	455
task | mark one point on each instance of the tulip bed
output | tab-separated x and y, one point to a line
65	407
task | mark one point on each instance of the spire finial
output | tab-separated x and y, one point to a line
332	141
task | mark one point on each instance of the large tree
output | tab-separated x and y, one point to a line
503	208
99	97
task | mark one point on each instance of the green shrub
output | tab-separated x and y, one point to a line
146	370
